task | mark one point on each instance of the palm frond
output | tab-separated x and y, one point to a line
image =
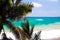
37	36
26	28
31	31
5	37
17	31
13	29
17	2
1	27
22	33
12	12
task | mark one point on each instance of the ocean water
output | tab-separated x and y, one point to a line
38	21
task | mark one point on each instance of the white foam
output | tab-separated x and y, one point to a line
39	19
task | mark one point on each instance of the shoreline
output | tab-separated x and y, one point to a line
48	27
45	28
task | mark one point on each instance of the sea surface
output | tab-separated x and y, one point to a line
38	21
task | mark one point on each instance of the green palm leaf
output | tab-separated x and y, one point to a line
26	28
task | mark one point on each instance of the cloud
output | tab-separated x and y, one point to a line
36	4
53	0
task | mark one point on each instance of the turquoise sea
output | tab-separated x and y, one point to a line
38	21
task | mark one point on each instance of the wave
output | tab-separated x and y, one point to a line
39	19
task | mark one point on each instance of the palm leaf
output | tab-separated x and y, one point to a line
37	36
31	31
1	25
13	29
26	28
17	2
22	33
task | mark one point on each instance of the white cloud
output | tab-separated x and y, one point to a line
36	4
53	0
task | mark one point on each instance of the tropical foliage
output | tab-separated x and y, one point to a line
27	29
12	10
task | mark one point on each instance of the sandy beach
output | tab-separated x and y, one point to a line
48	33
45	28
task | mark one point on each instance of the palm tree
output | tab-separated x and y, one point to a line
12	10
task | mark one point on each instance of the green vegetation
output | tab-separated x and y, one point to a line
27	29
12	10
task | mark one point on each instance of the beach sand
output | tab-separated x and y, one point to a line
45	28
48	33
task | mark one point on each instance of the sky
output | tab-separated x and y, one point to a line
44	8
